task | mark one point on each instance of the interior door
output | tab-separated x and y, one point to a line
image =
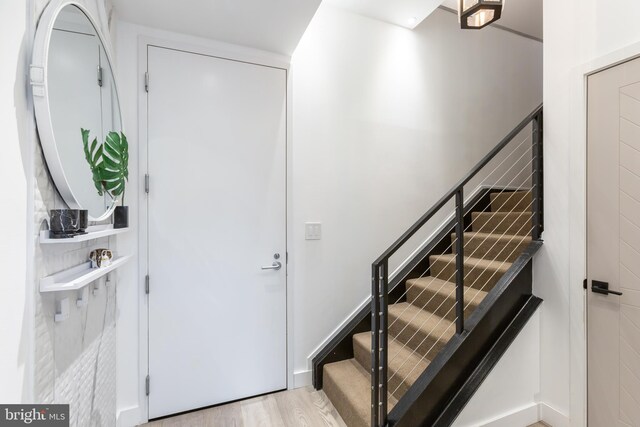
217	245
613	251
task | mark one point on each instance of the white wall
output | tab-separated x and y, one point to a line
385	121
131	400
374	106
575	34
15	298
23	332
74	360
512	380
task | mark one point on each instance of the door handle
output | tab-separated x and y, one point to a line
602	288
277	265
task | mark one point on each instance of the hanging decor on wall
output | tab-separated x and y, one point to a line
477	14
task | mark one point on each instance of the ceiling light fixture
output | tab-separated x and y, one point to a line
412	21
476	14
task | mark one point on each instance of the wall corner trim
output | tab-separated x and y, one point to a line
130	416
301	379
552	416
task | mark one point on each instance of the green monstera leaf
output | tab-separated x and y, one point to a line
114	169
93	154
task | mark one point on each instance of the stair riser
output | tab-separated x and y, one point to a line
492	249
425	344
341	403
363	356
438	303
511	202
518	224
475	277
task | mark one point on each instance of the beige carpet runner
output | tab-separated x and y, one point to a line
420	327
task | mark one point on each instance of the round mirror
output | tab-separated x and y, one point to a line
76	104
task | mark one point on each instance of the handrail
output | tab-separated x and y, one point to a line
380	267
451	193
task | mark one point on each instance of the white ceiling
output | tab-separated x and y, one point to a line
523	16
278	25
406	13
272	25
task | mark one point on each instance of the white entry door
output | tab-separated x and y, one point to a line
216	217
613	251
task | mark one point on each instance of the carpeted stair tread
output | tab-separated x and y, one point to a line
479	273
422	326
439	296
496	247
405	365
425	332
348	386
502	222
511	201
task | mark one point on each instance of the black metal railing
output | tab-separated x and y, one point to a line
380	267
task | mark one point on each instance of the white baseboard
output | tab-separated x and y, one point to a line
526	416
552	416
130	417
520	417
301	379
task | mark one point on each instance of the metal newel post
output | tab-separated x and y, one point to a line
375	326
459	261
384	294
536	191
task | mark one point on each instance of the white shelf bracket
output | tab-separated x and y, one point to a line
62	310
96	287
83	297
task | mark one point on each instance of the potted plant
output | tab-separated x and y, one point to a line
109	163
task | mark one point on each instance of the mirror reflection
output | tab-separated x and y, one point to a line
82	95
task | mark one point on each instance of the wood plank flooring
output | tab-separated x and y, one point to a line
302	407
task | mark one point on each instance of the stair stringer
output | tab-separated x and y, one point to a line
455	374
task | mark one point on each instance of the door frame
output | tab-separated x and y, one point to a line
578	226
223	51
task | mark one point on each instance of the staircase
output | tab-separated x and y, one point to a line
443	321
420	327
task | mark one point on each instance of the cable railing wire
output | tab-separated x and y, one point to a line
451	245
443	317
464	265
502	191
448	280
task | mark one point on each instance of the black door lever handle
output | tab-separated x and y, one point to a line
602	288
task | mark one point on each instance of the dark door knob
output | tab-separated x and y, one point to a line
602	288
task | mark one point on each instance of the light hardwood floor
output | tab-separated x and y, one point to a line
302	407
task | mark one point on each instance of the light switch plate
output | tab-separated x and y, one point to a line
312	230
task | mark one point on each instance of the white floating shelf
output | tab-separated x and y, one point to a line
93	232
77	277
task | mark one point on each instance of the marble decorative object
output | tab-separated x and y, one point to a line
100	258
64	223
